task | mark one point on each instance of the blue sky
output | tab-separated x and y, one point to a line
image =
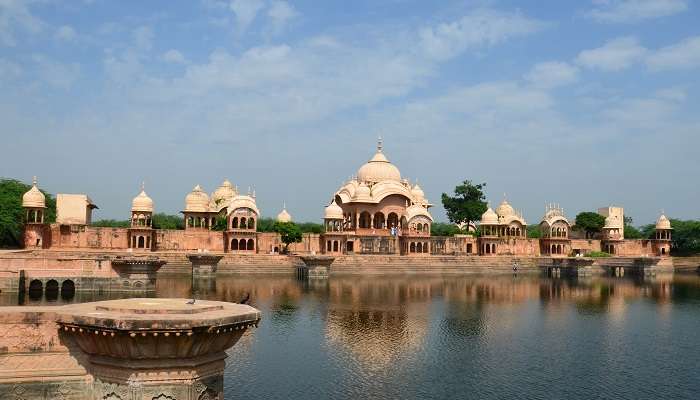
581	103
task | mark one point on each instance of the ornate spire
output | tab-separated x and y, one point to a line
380	144
143	186
34	180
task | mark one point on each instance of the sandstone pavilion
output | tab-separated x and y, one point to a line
377	212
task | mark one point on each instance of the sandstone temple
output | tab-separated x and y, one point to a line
376	212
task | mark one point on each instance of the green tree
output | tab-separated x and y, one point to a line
590	222
685	237
12	214
111	223
220	223
289	233
467	205
631	232
534	232
648	231
443	229
266	225
167	221
310	227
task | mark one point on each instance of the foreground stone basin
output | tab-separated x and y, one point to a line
130	348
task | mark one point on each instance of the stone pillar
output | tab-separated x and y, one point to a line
204	264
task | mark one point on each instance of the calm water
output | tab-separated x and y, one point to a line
462	337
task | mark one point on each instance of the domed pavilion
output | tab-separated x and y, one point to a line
378	212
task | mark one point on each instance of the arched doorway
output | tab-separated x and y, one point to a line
392	220
379	221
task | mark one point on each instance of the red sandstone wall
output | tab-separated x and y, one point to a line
585	245
518	246
268	241
635	247
190	239
78	236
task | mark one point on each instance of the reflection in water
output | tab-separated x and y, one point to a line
446	337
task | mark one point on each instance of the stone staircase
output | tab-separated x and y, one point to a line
393	264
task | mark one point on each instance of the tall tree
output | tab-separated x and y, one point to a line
167	221
12	213
590	222
467	204
632	232
289	233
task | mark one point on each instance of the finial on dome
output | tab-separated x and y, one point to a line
380	144
34	180
143	186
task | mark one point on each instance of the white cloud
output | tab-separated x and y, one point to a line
628	11
614	55
683	55
245	11
552	74
143	37
280	13
56	74
173	56
9	70
65	33
15	16
479	28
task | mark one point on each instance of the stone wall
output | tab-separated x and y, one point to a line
35	362
585	246
189	240
89	237
634	247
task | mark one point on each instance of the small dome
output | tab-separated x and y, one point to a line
284	216
378	169
224	192
34	198
333	211
243	201
142	202
418	193
197	200
363	193
505	209
663	223
489	217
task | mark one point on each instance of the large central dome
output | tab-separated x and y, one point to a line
378	169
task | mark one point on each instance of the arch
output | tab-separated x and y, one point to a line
379	221
554	249
36	289
419	227
663	251
365	220
493	248
426	228
419	247
328	246
558	249
67	289
243	223
335	245
517	232
251	245
488	248
392	220
234	222
141	243
412	248
190	222
234	244
52	285
242	244
251	223
425	247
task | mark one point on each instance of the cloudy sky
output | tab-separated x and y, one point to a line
582	103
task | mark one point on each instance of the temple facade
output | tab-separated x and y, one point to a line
377	211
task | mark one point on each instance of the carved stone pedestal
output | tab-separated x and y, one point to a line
146	349
204	264
137	273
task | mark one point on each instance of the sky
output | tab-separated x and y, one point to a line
581	103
